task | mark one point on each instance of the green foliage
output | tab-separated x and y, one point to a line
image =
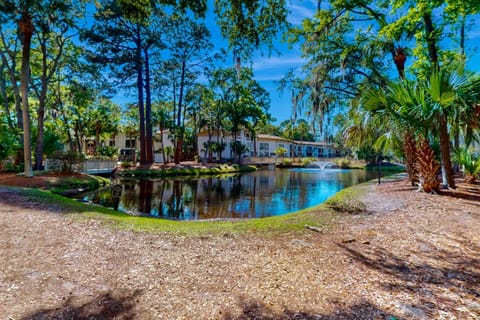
69	186
171	172
51	142
69	160
470	163
281	151
8	142
286	162
307	161
343	163
247	24
298	130
108	152
238	148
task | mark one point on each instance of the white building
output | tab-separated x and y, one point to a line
128	145
263	146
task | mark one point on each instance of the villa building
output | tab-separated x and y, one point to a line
263	145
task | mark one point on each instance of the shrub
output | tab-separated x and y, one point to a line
107	151
471	165
343	163
307	161
68	159
127	164
287	162
280	151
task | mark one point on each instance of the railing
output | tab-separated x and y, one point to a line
98	166
261	160
88	166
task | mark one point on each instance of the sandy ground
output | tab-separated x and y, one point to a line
409	256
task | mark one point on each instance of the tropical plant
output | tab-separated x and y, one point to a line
281	152
238	149
470	164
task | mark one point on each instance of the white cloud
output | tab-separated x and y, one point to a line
300	11
281	62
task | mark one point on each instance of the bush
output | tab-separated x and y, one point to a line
109	152
470	164
281	152
287	162
127	164
68	159
343	163
307	161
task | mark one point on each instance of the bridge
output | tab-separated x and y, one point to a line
98	166
87	167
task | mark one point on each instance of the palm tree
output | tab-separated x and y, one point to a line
425	107
471	165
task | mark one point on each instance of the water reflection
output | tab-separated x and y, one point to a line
253	195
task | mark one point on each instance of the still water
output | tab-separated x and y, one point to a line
253	195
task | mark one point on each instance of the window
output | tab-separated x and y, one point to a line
111	143
130	143
263	148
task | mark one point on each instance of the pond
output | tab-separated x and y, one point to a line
258	194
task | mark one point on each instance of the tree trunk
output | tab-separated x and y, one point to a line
427	168
446	163
430	38
399	58
410	151
3	92
41	115
40	134
148	112
179	147
26	29
141	106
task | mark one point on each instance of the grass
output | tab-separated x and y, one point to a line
148	173
65	185
346	200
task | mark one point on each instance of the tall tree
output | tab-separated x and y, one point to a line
189	49
125	32
51	41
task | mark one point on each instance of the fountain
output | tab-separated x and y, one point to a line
322	165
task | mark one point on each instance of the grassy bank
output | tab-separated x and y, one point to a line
70	185
187	171
347	200
315	217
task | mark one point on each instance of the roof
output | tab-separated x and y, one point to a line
313	143
271	137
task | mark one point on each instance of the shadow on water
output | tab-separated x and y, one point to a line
103	307
364	310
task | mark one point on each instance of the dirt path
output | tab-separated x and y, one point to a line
411	256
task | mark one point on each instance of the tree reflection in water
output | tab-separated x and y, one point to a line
258	194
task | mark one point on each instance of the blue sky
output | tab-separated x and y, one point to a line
270	69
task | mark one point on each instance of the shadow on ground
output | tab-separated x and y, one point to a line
103	307
362	311
442	281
